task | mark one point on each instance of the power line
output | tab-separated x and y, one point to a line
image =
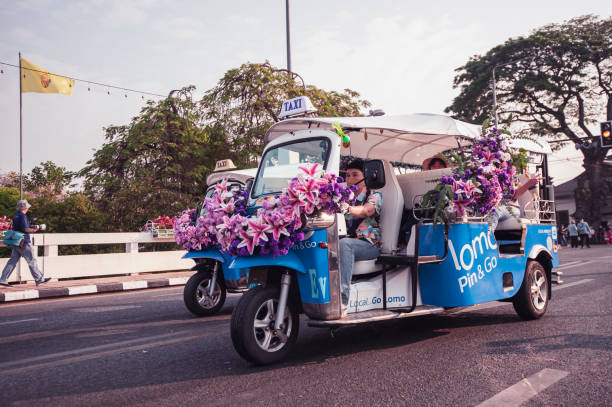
86	81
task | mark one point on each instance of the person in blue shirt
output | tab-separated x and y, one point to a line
21	224
573	234
583	231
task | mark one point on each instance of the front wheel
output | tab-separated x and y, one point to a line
252	327
196	294
531	301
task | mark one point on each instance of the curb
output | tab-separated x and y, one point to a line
33	294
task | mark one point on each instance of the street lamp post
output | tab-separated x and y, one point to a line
288	36
493	83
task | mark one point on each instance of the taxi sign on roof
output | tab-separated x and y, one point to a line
296	106
224	165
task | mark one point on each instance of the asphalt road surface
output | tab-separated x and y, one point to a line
144	348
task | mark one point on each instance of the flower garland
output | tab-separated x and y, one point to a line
274	228
194	232
279	223
479	183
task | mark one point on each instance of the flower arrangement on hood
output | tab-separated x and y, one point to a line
198	231
279	223
479	183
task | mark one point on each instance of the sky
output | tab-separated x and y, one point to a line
399	55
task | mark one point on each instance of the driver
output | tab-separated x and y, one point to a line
363	231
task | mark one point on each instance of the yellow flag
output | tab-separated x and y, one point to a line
36	79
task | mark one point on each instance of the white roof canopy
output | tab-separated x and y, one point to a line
232	175
405	138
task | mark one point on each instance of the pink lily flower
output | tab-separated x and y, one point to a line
311	171
308	189
258	228
248	241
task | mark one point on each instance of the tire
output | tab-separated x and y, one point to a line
531	301
195	298
256	342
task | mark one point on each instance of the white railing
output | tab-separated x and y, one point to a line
95	265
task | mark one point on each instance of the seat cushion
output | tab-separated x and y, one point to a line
365	267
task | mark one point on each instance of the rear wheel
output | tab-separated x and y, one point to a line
531	301
252	327
196	294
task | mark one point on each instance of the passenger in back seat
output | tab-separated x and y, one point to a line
513	209
363	231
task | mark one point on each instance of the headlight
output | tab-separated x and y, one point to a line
321	221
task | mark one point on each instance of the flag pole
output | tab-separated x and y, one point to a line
20	135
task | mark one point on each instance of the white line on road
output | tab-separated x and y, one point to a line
564	285
525	389
21	320
573	264
484	306
88	349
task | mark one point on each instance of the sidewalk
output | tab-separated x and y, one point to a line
29	291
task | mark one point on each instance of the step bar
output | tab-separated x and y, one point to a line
376	315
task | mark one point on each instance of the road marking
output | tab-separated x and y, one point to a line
20	295
573	264
570	263
84	350
127	293
500	304
178	280
100	354
167	295
107	308
525	389
564	285
82	289
21	320
134	285
131	326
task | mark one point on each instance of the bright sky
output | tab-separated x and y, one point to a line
400	55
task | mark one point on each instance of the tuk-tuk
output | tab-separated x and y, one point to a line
441	266
204	293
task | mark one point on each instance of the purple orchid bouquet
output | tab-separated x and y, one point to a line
279	223
194	231
479	183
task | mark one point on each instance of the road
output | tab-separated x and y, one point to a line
144	348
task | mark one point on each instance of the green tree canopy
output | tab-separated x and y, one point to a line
247	100
48	180
158	164
560	84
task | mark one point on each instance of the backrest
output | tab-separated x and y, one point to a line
391	211
417	183
528	201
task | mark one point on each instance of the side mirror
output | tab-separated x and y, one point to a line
374	173
249	185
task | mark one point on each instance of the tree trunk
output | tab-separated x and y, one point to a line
593	188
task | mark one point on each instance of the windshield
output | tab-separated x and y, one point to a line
279	165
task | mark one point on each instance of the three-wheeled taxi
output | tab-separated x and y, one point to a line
205	291
459	264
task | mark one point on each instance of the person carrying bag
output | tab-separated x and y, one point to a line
19	241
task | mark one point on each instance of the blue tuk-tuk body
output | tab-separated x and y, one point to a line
439	266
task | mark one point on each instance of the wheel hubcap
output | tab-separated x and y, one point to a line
539	290
263	327
205	300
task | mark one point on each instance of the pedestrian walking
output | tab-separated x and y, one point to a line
22	224
563	236
584	231
573	234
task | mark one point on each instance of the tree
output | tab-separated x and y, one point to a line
8	201
158	164
155	165
561	84
247	101
48	180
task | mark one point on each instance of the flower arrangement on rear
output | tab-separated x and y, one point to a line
479	182
275	227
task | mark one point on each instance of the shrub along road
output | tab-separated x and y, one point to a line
144	348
